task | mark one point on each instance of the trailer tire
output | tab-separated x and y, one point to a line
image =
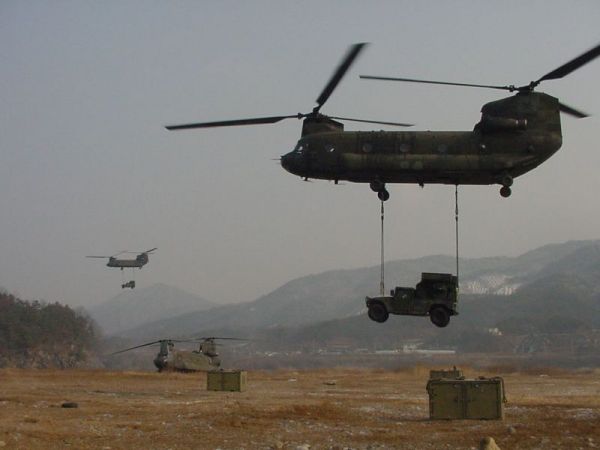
378	312
439	316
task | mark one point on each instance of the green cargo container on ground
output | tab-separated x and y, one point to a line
447	374
226	380
466	399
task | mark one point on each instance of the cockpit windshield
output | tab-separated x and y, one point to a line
300	148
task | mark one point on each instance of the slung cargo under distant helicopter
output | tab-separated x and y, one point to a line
514	135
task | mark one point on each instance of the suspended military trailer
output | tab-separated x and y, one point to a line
435	296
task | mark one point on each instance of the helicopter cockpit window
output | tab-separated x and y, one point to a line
367	147
299	149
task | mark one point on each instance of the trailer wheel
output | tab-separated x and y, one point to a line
439	316
378	312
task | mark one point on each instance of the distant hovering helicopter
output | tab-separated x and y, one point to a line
138	262
204	359
514	135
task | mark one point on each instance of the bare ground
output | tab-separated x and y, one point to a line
322	409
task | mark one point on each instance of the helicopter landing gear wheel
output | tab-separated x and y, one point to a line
506	180
383	195
505	191
379	187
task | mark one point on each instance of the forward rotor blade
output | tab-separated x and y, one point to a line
572	111
133	348
150	343
447	83
222	338
396	124
572	65
151	250
232	123
339	73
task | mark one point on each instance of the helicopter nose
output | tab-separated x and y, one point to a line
292	163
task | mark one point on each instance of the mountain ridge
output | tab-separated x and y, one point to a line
338	294
134	308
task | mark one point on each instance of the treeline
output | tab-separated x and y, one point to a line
37	334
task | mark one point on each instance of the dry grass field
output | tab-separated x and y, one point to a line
318	409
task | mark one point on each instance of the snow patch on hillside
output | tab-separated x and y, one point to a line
497	284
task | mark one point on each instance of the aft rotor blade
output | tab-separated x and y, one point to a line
572	65
151	250
572	111
233	123
339	73
396	124
446	83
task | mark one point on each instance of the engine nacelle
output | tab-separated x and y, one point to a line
493	123
312	125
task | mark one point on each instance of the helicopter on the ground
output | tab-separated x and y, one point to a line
514	135
206	358
138	262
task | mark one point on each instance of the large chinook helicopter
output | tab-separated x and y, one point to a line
514	135
206	358
139	261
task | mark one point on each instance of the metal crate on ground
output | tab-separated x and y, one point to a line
481	398
447	374
226	380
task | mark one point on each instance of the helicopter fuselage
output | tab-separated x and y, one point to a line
453	157
514	136
139	262
204	359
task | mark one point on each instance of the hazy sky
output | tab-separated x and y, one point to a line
86	166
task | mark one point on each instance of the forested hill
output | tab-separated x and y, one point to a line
35	334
